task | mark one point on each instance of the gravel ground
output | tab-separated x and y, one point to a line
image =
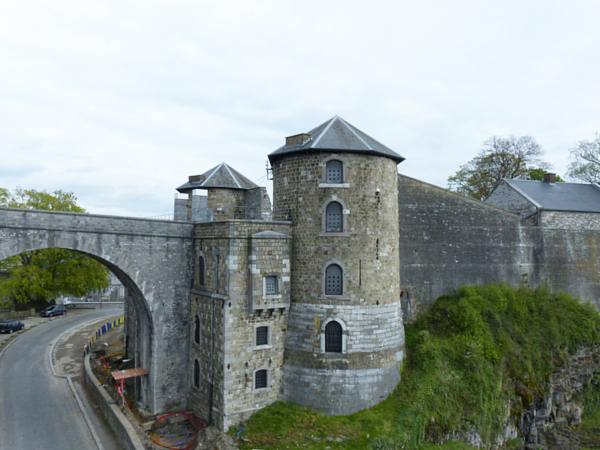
111	343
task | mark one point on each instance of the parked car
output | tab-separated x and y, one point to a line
8	326
54	310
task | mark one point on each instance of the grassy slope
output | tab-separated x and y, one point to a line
464	356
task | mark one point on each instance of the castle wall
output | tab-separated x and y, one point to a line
570	219
227	204
258	204
565	260
367	251
448	240
249	251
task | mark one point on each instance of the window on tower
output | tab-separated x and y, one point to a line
333	280
334	218
334	172
333	337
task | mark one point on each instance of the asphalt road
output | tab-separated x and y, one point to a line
37	409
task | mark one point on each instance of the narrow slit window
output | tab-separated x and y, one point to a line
196	374
333	337
201	271
197	330
335	174
334	219
333	280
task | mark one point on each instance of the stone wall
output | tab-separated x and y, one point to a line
563	260
152	259
345	382
227	204
249	251
570	219
258	204
200	211
448	240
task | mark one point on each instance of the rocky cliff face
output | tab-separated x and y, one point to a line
545	420
545	409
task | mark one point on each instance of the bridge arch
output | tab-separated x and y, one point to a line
153	261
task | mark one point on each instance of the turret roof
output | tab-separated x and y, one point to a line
221	176
337	136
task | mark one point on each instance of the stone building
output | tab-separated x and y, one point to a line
305	301
550	204
307	308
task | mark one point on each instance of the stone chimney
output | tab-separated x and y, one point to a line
297	139
550	178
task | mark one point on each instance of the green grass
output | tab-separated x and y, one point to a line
467	356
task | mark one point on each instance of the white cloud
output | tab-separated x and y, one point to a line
120	101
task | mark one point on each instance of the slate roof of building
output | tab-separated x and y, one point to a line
559	196
221	176
337	136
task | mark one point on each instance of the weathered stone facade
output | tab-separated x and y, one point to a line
249	251
569	220
240	306
368	308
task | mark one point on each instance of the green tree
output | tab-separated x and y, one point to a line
586	164
34	277
500	157
538	175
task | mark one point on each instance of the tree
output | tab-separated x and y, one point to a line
538	175
586	166
35	276
500	157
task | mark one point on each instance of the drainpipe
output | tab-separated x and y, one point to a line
215	252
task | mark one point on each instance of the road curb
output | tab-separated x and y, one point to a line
116	419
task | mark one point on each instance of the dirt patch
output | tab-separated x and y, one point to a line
180	431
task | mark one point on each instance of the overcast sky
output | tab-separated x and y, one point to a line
119	102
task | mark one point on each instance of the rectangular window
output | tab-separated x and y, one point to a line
260	379
271	285
262	336
334	171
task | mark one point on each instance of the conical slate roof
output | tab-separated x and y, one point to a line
221	176
338	136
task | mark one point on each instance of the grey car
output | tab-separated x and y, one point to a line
8	326
54	310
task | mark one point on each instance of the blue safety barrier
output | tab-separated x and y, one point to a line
103	329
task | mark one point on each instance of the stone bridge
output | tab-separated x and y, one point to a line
153	260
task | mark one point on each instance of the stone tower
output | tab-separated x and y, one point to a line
345	337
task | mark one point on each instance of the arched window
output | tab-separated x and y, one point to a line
197	330
334	172
333	280
333	337
201	269
334	218
196	374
